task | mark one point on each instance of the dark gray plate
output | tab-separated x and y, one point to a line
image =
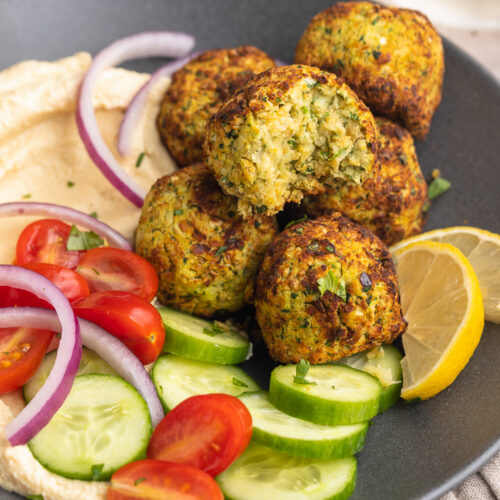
411	452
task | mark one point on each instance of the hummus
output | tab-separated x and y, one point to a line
43	159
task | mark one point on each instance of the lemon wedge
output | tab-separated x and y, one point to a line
482	250
442	303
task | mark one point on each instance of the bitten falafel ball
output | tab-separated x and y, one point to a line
392	58
285	133
198	90
205	255
391	203
327	289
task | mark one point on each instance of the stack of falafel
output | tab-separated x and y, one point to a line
253	137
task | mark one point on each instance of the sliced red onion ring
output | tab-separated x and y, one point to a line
37	414
152	44
134	111
114	238
112	350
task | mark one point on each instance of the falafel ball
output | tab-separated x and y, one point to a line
285	133
197	91
391	203
327	289
205	255
392	58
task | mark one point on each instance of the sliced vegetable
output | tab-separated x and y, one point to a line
103	424
108	347
67	214
208	431
21	352
282	432
45	241
268	474
383	362
53	393
90	363
135	108
71	284
203	340
158	479
116	269
177	379
128	317
153	44
334	394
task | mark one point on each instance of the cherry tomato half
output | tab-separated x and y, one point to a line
71	284
126	316
45	241
107	268
208	431
162	480
21	352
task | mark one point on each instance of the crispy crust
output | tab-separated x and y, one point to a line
390	204
393	58
297	322
196	93
205	255
234	142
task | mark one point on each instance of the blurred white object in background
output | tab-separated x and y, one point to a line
474	25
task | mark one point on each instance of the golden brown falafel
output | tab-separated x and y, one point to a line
197	91
391	203
285	133
393	58
205	255
327	289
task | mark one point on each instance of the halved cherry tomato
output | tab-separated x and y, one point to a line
21	352
71	284
156	479
208	431
45	241
126	316
107	268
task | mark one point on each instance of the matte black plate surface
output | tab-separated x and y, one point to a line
418	451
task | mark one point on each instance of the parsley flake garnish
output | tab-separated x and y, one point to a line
70	184
238	382
94	214
301	372
139	480
333	284
96	470
83	240
139	159
26	196
293	222
34	497
437	187
178	211
214	330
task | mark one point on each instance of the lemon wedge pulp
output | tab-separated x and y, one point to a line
441	300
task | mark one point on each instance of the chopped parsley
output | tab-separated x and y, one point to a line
96	271
34	497
83	240
26	196
139	159
261	209
139	480
376	54
340	151
293	143
437	187
238	382
220	250
178	211
94	214
70	184
214	330
333	284
293	222
96	470
301	372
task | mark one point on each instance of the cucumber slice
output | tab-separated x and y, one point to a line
103	424
383	362
203	340
264	473
177	379
337	395
273	428
90	363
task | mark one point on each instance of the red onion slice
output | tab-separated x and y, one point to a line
37	414
114	238
135	108
152	44
108	347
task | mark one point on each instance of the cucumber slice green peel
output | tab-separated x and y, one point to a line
277	430
103	425
177	379
332	394
202	340
383	362
263	473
